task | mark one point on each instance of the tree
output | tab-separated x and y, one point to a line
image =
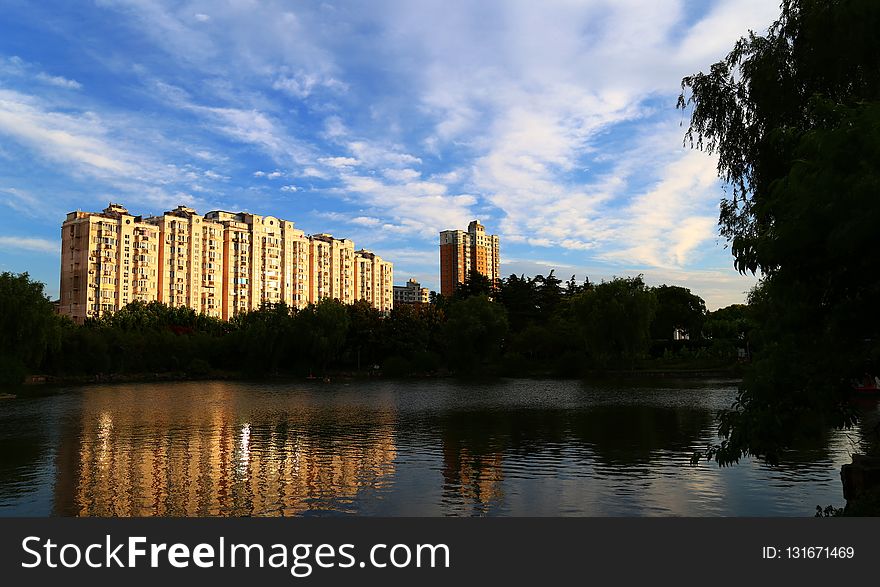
475	330
28	326
677	309
322	330
475	284
614	320
729	323
794	118
519	296
549	293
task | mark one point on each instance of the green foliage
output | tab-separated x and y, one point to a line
474	332
29	327
677	309
475	284
614	320
464	334
322	328
794	117
733	322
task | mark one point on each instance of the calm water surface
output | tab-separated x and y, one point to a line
423	448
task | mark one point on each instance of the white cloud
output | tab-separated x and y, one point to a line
117	150
16	66
23	201
301	85
334	128
401	175
339	162
79	139
410	207
374	155
37	245
314	172
61	82
245	125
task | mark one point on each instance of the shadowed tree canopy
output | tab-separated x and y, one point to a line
614	319
794	118
475	284
475	330
677	309
27	326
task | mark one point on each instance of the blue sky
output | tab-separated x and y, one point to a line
552	122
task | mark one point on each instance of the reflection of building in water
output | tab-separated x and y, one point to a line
476	477
196	457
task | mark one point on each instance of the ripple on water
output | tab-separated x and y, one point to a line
511	447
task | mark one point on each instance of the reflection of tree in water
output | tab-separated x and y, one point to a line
475	442
624	434
868	428
209	457
633	434
23	452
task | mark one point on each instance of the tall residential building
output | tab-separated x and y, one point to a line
374	279
221	264
411	293
108	259
266	261
331	268
190	260
461	252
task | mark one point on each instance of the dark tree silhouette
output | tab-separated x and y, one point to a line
794	117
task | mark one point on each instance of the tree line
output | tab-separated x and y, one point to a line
519	326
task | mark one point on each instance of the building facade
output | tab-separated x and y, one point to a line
108	259
374	280
462	251
220	264
411	293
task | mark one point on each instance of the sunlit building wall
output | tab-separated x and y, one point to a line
220	264
374	279
331	269
462	251
108	259
191	261
411	293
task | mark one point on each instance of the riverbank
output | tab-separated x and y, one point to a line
35	381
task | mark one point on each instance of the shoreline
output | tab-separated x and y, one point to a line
38	381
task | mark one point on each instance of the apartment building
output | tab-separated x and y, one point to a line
374	279
108	259
266	260
462	251
331	268
190	260
220	264
411	293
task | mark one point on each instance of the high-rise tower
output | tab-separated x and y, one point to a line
461	252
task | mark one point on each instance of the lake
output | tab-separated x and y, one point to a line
402	448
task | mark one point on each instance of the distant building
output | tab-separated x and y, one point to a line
461	252
373	280
220	264
411	293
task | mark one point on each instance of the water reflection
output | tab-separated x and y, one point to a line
424	448
202	453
